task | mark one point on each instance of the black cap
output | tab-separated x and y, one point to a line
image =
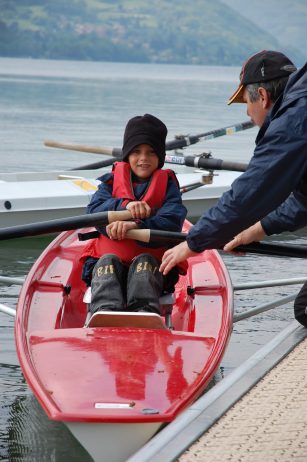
262	67
145	129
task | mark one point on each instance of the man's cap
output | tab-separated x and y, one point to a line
262	67
146	129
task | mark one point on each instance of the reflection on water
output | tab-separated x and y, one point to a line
25	432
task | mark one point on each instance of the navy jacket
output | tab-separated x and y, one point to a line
169	217
274	187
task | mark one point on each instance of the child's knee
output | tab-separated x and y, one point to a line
107	266
144	263
108	284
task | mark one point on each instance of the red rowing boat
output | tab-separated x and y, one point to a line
115	385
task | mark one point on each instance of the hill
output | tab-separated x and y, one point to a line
285	19
164	31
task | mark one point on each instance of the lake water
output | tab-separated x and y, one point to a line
90	103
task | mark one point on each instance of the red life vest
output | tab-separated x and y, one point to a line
155	193
154	196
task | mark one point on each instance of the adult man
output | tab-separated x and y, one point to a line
274	187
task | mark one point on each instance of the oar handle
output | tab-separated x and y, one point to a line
118	215
142	235
153	235
64	224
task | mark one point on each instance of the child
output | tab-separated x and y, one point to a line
124	274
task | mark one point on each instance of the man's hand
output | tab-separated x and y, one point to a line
118	229
254	233
174	256
139	209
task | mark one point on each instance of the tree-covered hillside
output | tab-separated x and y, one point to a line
164	31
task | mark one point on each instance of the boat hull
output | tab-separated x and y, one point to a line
118	376
117	442
29	198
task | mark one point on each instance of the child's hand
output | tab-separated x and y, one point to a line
139	209
118	229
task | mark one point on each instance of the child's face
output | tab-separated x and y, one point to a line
143	161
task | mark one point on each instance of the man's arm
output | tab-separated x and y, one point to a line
275	170
290	216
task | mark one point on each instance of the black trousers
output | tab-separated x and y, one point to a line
121	288
300	306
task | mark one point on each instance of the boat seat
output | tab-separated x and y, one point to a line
131	319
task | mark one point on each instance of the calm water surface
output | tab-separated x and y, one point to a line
90	103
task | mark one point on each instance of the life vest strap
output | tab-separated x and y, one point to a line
88	235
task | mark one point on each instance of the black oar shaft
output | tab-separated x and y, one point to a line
184	141
284	250
188	188
153	235
214	164
95	165
262	248
162	236
63	224
177	143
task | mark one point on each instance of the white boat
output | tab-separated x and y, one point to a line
40	196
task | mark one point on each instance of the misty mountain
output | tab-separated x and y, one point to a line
164	31
286	20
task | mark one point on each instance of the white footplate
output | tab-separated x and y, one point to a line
126	319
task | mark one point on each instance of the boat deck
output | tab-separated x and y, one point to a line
258	413
269	423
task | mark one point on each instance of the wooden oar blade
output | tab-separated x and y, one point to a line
114	152
63	224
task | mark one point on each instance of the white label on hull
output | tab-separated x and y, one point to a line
114	405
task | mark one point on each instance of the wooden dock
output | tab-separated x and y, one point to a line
268	424
256	414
